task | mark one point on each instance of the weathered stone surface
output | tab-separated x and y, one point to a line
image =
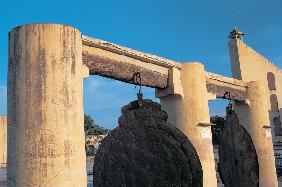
46	145
118	62
144	150
237	155
3	141
189	111
248	65
220	90
125	51
219	85
113	68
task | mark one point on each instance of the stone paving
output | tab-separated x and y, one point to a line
90	162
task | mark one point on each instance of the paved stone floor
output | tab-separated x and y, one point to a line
90	162
90	177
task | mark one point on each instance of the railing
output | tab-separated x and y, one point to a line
90	180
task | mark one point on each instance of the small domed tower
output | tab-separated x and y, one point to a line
236	34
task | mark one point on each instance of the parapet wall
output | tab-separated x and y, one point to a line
3	141
247	64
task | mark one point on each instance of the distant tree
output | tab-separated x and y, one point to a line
90	128
217	128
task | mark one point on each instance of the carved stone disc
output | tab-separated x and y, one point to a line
144	150
237	155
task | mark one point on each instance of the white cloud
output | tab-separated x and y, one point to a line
103	99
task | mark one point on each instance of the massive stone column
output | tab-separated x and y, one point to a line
188	110
3	141
45	107
254	117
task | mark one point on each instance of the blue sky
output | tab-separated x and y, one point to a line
181	30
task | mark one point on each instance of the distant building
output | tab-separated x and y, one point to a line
92	143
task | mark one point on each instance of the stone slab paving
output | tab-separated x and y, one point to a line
90	162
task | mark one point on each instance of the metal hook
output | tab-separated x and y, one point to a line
136	79
228	96
229	108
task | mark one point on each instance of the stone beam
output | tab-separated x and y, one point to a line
219	85
113	61
120	63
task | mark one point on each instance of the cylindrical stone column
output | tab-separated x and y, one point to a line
45	107
190	113
261	136
3	141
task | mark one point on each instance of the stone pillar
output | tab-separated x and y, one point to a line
45	107
189	112
3	141
260	131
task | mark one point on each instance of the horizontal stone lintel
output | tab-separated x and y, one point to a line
108	67
145	57
220	90
120	63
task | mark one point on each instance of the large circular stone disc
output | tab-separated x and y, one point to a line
237	155
146	151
